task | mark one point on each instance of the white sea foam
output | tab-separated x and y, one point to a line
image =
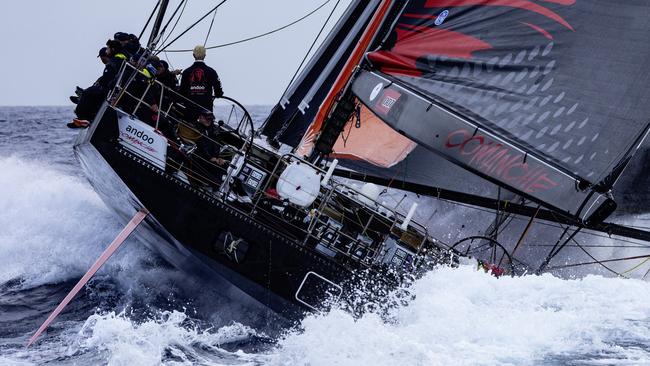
459	317
53	225
464	317
171	338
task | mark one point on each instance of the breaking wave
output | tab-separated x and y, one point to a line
172	337
458	317
54	226
465	317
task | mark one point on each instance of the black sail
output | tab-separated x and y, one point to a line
292	115
547	98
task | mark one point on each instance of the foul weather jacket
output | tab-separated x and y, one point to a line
201	84
108	79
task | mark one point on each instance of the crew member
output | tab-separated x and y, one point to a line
103	55
91	98
116	59
167	77
134	48
200	84
142	86
104	58
210	160
124	40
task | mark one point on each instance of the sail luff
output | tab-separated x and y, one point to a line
307	143
287	123
284	100
305	102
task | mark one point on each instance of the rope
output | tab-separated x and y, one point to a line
249	38
596	260
153	12
637	266
191	26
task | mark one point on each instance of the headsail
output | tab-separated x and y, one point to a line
545	98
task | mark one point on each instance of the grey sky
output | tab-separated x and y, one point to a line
49	46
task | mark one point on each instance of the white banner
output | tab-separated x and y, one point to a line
143	140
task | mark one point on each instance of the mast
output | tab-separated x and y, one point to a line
153	38
307	143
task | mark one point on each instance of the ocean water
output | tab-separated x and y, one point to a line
140	311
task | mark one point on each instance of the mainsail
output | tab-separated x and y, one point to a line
546	98
292	115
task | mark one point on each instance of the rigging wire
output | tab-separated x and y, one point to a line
597	262
153	12
249	38
593	246
304	59
637	266
601	263
171	66
313	44
207	36
184	3
557	226
191	26
171	18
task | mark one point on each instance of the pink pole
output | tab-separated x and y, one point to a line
121	237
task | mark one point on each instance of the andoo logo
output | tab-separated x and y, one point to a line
140	134
441	17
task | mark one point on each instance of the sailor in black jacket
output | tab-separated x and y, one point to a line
111	70
200	84
91	99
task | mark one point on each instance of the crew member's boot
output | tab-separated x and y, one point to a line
78	123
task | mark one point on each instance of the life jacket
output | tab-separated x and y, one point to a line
146	73
188	134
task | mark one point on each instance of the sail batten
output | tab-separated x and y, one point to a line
545	98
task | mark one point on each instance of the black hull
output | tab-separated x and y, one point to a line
184	225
